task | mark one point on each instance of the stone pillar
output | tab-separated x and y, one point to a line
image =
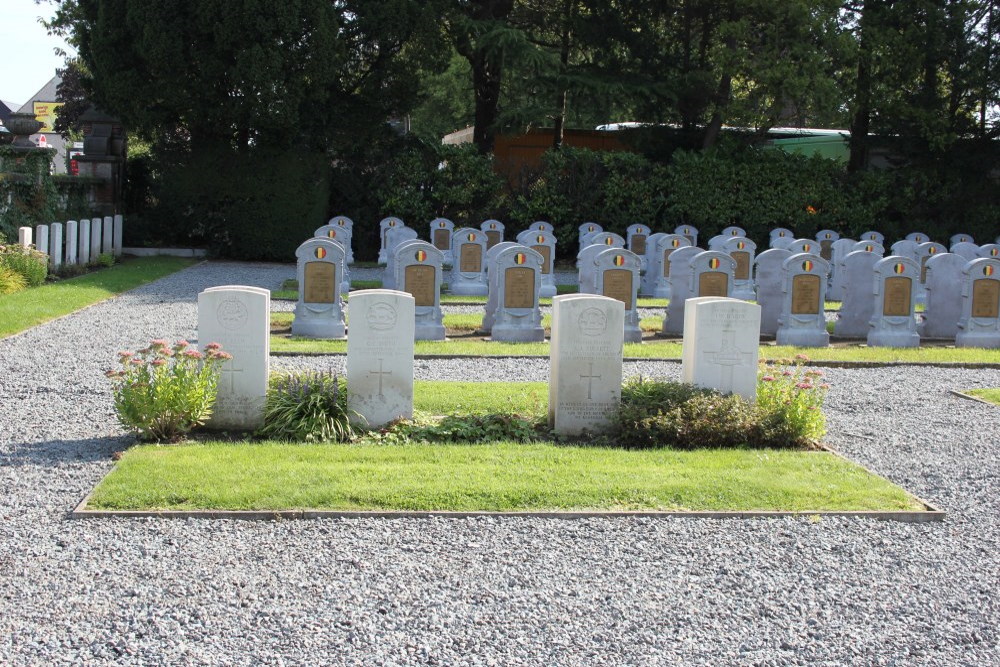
84	242
56	245
95	238
117	234
106	245
24	237
42	239
71	241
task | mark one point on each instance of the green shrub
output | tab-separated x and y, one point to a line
309	407
164	391
790	402
476	428
105	259
31	264
11	281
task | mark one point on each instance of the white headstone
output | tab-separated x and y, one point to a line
609	239
585	362
742	250
618	278
24	237
418	267
803	245
494	232
826	238
541	226
517	281
893	323
544	243
877	237
395	237
918	237
733	230
680	288
380	356
42	238
585	229
840	249
346	226
319	311
689	232
780	233
803	319
979	325
441	230
468	270
969	251
492	275
961	238
944	295
119	225
95	238
721	345
342	235
71	241
84	242
56	245
857	307
770	295
636	236
587	270
991	250
107	234
384	226
652	264
665	247
238	318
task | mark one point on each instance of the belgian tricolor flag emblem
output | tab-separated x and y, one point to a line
608	241
932	250
869	248
713	263
740	245
441	224
619	260
828	235
988	270
807	266
332	233
392	223
471	237
540	238
590	229
994	252
520	258
806	247
781	234
420	255
676	243
493	225
320	253
899	268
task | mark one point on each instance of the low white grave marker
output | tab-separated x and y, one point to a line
721	345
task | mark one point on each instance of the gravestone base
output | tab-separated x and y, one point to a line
989	340
633	334
661	291
505	332
469	289
743	291
802	337
306	325
901	337
546	290
428	331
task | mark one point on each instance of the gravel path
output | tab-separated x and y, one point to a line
483	591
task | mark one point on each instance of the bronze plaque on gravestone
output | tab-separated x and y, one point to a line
618	285
826	250
546	253
519	287
320	283
742	259
713	283
492	238
986	298
419	281
470	258
666	262
805	295
896	300
639	244
442	239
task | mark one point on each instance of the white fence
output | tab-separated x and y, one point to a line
75	242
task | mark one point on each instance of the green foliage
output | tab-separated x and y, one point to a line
11	281
307	407
26	183
786	414
105	259
32	265
489	427
163	391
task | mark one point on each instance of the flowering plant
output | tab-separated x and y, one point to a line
811	210
793	396
164	390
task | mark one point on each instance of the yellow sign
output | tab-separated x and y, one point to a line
45	112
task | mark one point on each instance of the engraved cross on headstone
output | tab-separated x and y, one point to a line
228	370
380	373
590	381
728	356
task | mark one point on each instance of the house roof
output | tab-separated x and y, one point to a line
47	93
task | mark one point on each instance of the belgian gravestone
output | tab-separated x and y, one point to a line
840	249
717	242
943	283
441	230
868	246
803	319
679	277
989	250
961	238
733	230
518	278
238	318
826	237
418	267
969	251
635	237
803	245
341	230
917	237
72	243
924	252
856	310
709	273
609	239
319	311
384	227
585	362
742	250
905	248
780	233
468	272
489	311
541	226
769	277
586	269
395	237
689	232
618	278
494	230
544	243
665	247
979	324
651	264
782	242
84	239
893	323
877	237
721	345
338	235
585	229
380	356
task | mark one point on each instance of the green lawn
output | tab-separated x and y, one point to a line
991	395
500	476
35	305
439	397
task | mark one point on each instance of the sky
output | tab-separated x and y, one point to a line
27	60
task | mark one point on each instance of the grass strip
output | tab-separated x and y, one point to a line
501	476
35	305
440	397
991	395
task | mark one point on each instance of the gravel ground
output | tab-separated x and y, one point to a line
483	591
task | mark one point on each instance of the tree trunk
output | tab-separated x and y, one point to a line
564	45
861	121
486	79
714	128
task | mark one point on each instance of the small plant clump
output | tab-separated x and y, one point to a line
787	413
11	281
489	427
309	407
105	260
164	391
30	263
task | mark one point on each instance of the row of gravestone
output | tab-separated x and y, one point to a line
720	352
75	242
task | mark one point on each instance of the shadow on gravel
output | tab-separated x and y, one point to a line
58	452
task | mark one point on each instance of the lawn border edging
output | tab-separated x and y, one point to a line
970	397
929	515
